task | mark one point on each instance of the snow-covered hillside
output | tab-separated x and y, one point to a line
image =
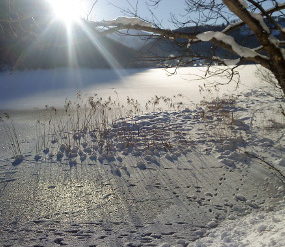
132	38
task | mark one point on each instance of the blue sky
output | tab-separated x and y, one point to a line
105	10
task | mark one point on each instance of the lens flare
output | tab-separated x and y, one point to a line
67	10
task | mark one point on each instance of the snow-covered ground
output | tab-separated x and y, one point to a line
186	169
264	228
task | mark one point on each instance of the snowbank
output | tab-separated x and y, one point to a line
264	229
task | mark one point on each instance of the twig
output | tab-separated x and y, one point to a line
268	164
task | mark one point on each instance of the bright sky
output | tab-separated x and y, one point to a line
111	9
105	9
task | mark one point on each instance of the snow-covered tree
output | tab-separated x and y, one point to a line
264	20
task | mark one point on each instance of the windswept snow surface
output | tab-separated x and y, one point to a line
165	177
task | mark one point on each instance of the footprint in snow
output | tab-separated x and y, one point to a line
125	169
141	166
37	157
18	159
116	172
59	241
72	163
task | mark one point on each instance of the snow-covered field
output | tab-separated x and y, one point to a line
178	167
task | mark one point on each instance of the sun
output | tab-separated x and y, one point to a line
68	11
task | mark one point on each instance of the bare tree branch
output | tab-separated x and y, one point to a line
209	11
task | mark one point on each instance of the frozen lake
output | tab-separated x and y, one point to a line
31	89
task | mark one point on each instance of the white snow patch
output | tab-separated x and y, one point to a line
229	62
165	245
231	26
256	229
281	162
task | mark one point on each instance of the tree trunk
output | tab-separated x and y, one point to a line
281	81
278	69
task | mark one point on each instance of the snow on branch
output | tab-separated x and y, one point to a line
238	49
260	19
243	3
270	11
128	21
230	62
